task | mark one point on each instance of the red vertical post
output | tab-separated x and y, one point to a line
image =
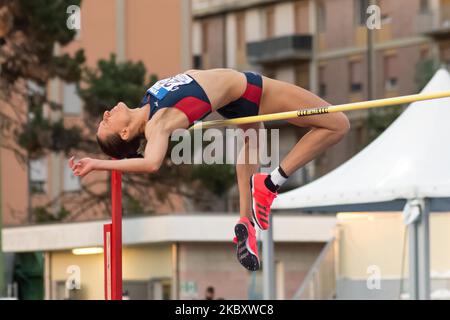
116	230
107	259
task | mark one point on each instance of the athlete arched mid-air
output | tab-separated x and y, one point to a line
177	102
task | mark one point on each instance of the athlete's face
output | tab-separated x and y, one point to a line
114	120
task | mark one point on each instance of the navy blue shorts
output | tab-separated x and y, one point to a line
248	104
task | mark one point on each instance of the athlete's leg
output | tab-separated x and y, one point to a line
245	169
326	129
246	166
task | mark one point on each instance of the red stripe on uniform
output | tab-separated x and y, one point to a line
193	108
252	93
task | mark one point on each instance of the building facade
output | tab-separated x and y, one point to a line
323	46
304	42
127	29
170	256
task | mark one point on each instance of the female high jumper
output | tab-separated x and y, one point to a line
179	101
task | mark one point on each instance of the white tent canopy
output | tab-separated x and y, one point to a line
405	168
411	159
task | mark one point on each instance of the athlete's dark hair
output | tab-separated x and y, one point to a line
115	147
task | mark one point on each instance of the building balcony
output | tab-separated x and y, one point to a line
202	8
435	23
280	49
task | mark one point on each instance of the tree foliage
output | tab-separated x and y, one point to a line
111	82
217	178
29	33
425	69
380	119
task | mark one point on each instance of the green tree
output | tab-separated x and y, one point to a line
425	69
217	178
29	31
111	82
40	25
380	119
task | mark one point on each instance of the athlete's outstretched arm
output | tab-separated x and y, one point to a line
155	151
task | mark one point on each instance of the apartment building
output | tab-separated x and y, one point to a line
170	256
125	29
303	42
322	45
434	22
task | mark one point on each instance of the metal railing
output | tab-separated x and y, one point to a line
434	20
291	47
320	282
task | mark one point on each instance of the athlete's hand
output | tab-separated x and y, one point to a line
83	166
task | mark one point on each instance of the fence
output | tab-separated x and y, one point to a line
320	282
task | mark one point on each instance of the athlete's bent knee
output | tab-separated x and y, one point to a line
342	125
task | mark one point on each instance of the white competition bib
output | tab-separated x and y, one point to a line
162	87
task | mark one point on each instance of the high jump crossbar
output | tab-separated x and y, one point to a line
112	242
322	110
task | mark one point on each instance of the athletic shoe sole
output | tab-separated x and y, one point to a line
245	255
255	219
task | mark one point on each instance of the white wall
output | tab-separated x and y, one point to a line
369	239
71	182
72	103
231	40
254	25
286	74
284	19
196	38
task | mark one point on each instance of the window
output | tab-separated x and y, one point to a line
321	15
240	29
424	53
301	12
385	14
322	84
390	77
205	37
38	175
270	22
361	12
355	76
136	290
71	182
424	6
154	289
33	88
62	293
71	103
197	61
302	75
445	55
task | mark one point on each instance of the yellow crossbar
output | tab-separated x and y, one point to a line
329	109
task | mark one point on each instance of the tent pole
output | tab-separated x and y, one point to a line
419	255
423	241
268	267
413	266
